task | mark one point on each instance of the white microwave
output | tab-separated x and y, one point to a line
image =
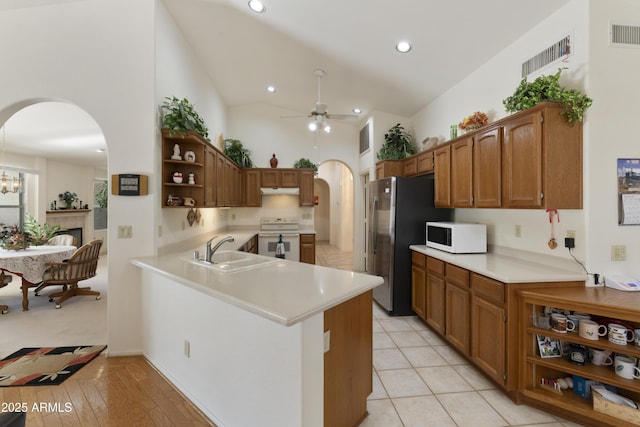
457	237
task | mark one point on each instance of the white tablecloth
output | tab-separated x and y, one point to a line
31	262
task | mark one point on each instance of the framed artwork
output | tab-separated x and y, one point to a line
549	346
628	191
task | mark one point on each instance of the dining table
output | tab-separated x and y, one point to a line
30	264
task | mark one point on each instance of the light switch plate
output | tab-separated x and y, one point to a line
124	232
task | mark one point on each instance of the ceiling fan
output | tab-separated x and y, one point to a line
319	113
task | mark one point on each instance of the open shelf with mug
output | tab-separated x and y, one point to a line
536	368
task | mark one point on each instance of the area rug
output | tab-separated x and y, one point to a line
45	365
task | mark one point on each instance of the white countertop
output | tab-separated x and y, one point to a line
504	268
286	292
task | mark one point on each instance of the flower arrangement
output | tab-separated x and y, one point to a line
474	121
36	233
11	238
68	198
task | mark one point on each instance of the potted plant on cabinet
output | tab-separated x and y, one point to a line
234	149
305	163
180	116
398	144
548	89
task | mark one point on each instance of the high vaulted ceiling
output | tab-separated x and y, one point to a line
351	40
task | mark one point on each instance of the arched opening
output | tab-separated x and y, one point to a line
57	147
333	216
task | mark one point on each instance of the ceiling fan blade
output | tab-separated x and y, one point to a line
296	117
341	116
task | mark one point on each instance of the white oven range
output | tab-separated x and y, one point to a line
270	231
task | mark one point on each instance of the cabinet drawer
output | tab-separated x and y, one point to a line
457	276
418	259
488	288
307	238
435	265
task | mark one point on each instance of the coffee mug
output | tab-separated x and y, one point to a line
626	367
620	335
540	320
577	318
591	330
188	201
560	323
636	332
600	357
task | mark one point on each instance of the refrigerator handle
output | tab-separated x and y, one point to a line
374	225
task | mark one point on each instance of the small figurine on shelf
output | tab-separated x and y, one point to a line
192	178
176	153
177	177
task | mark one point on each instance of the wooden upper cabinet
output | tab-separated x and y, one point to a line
425	162
410	166
462	173
252	196
442	178
542	160
306	187
387	168
210	192
487	165
279	178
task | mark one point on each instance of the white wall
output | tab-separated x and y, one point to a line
96	56
179	73
484	90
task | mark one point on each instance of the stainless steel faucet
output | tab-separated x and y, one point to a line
208	251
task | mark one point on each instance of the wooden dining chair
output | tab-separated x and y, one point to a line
62	239
81	266
5	279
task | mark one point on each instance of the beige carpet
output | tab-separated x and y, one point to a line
82	320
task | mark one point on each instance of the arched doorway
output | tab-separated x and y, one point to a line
58	147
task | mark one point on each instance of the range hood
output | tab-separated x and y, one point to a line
275	191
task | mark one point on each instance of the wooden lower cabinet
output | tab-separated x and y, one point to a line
477	315
308	248
348	375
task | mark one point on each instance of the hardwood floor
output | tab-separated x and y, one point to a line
114	391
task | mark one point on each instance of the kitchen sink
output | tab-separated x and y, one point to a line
234	261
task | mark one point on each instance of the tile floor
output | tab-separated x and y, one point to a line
418	380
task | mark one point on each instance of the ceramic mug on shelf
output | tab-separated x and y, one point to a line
591	330
560	323
636	333
626	367
600	357
619	334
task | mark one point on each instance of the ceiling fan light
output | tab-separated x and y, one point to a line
313	126
326	128
257	6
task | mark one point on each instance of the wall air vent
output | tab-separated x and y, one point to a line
624	35
553	53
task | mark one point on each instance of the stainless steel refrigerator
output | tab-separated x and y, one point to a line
398	210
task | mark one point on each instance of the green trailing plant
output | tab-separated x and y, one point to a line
38	234
305	163
179	115
398	144
234	149
548	89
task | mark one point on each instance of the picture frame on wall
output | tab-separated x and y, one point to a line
628	177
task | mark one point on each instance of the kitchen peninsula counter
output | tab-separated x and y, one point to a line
266	346
519	267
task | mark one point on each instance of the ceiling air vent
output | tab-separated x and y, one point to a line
624	35
553	53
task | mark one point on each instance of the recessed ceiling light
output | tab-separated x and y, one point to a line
357	110
101	150
271	89
403	47
257	6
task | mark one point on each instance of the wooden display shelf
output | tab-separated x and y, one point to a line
602	343
183	162
173	184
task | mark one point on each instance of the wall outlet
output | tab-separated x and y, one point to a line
618	253
187	348
124	232
571	234
517	230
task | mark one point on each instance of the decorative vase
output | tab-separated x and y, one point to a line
273	162
68	204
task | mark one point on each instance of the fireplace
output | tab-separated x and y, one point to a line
75	232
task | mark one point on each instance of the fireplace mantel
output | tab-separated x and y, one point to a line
68	211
